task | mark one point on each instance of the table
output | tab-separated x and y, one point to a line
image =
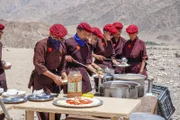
112	107
148	105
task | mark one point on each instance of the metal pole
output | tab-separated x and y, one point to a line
5	110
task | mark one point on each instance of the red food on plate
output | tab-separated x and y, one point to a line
78	101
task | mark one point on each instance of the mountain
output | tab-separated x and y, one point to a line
157	18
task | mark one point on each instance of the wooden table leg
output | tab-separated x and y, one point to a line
115	118
126	118
29	115
51	116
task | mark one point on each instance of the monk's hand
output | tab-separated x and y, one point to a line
69	58
100	57
58	80
115	62
90	68
6	67
140	72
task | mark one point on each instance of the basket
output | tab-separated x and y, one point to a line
165	105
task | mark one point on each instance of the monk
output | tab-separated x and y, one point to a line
49	58
3	66
79	50
93	39
135	51
118	43
104	48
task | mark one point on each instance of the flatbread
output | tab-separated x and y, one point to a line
63	103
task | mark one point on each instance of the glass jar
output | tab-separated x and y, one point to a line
74	84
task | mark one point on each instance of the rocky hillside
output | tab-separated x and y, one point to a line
158	20
23	35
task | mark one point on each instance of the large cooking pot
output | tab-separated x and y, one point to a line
108	90
115	89
133	77
145	116
99	80
134	86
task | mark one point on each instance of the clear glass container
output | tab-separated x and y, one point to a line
74	84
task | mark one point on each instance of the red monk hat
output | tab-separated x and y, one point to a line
118	25
110	28
85	26
58	30
2	27
131	29
97	32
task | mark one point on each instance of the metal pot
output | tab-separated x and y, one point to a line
100	80
133	77
108	77
120	90
115	89
134	86
145	116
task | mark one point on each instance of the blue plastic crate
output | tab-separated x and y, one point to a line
165	105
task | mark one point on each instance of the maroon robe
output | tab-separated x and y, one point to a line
105	50
118	47
2	72
135	52
46	58
2	76
82	55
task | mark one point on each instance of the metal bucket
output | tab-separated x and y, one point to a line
145	116
133	77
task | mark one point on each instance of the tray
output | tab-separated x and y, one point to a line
19	93
14	100
122	65
40	97
62	103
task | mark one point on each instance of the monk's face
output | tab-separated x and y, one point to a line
1	32
107	35
92	39
83	35
55	37
118	34
133	36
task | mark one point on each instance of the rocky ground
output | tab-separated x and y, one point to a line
163	66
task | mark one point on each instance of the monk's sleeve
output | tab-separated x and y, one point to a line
144	53
113	55
1	62
63	65
89	59
39	58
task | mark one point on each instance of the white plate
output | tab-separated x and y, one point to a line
19	93
122	65
62	103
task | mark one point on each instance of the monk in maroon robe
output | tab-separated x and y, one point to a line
104	48
118	44
135	51
79	50
3	67
49	61
95	36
